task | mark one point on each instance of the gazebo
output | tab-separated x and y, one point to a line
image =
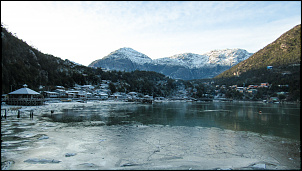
25	97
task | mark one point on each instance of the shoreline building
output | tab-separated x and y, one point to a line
25	97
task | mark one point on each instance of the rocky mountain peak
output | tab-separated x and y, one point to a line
228	56
131	54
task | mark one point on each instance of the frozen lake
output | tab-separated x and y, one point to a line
170	135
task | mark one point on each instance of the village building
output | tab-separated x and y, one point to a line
269	67
89	95
61	92
118	96
264	85
147	99
234	86
104	86
240	89
50	94
282	93
223	86
133	94
273	100
82	94
252	91
252	86
60	87
72	93
86	87
283	85
103	96
158	98
106	81
25	97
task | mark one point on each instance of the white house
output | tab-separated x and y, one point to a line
51	94
91	87
104	96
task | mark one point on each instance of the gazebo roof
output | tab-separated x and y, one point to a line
24	91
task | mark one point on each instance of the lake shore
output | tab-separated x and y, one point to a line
36	144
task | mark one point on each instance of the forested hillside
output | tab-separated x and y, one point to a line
284	55
23	64
283	52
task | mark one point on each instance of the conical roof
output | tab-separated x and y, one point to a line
24	91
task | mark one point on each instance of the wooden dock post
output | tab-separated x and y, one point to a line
31	114
19	113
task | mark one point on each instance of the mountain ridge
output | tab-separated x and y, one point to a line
127	59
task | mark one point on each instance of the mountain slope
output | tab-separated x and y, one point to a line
185	66
283	51
284	55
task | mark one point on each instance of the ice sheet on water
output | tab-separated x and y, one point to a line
41	161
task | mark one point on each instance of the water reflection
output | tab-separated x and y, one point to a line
274	119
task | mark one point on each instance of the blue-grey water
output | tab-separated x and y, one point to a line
281	120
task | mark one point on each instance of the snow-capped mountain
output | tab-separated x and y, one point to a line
123	59
181	66
131	54
189	60
226	57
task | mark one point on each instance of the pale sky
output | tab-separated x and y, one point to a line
86	31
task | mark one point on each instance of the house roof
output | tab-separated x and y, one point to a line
24	91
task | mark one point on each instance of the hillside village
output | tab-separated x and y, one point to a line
262	92
211	92
193	90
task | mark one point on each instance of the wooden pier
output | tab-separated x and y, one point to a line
14	110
